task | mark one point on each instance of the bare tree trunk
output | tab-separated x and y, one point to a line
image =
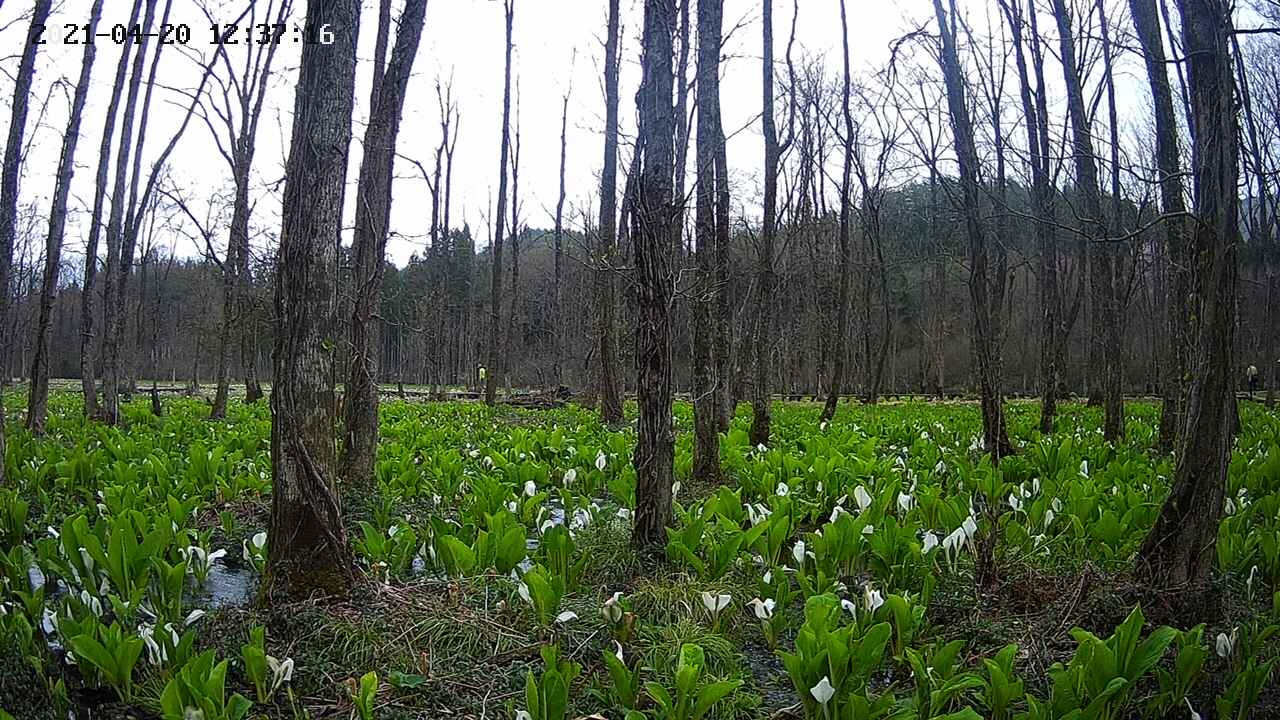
706	421
308	552
761	391
1179	550
683	122
38	397
513	314
607	373
838	378
240	109
222	373
499	226
373	211
726	401
995	435
237	308
120	355
557	337
109	349
87	312
1101	266
656	233
1042	204
1115	297
1261	222
9	175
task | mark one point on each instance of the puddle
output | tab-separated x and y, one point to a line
225	586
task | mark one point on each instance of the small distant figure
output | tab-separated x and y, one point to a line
1251	374
480	376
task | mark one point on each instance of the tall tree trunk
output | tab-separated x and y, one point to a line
9	175
1179	550
841	351
1113	341
514	312
683	122
241	307
706	421
230	321
726	401
1042	205
87	312
1262	224
238	335
1101	274
38	396
656	233
373	211
557	337
995	435
119	355
761	391
606	350
308	551
499	225
109	350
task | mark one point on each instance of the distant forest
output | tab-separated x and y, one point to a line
434	319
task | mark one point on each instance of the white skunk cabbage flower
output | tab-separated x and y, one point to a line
1226	645
762	608
862	497
823	691
798	552
281	671
871	598
906	502
715	604
611	611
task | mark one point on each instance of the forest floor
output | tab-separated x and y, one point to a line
449	637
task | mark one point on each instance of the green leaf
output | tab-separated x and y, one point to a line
88	649
712	694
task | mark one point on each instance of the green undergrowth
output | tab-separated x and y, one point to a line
492	535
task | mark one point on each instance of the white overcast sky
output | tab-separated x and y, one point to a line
558	44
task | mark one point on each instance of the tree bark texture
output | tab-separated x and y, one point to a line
995	435
38	394
706	421
9	175
308	552
838	370
656	232
495	360
373	212
606	348
1179	550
